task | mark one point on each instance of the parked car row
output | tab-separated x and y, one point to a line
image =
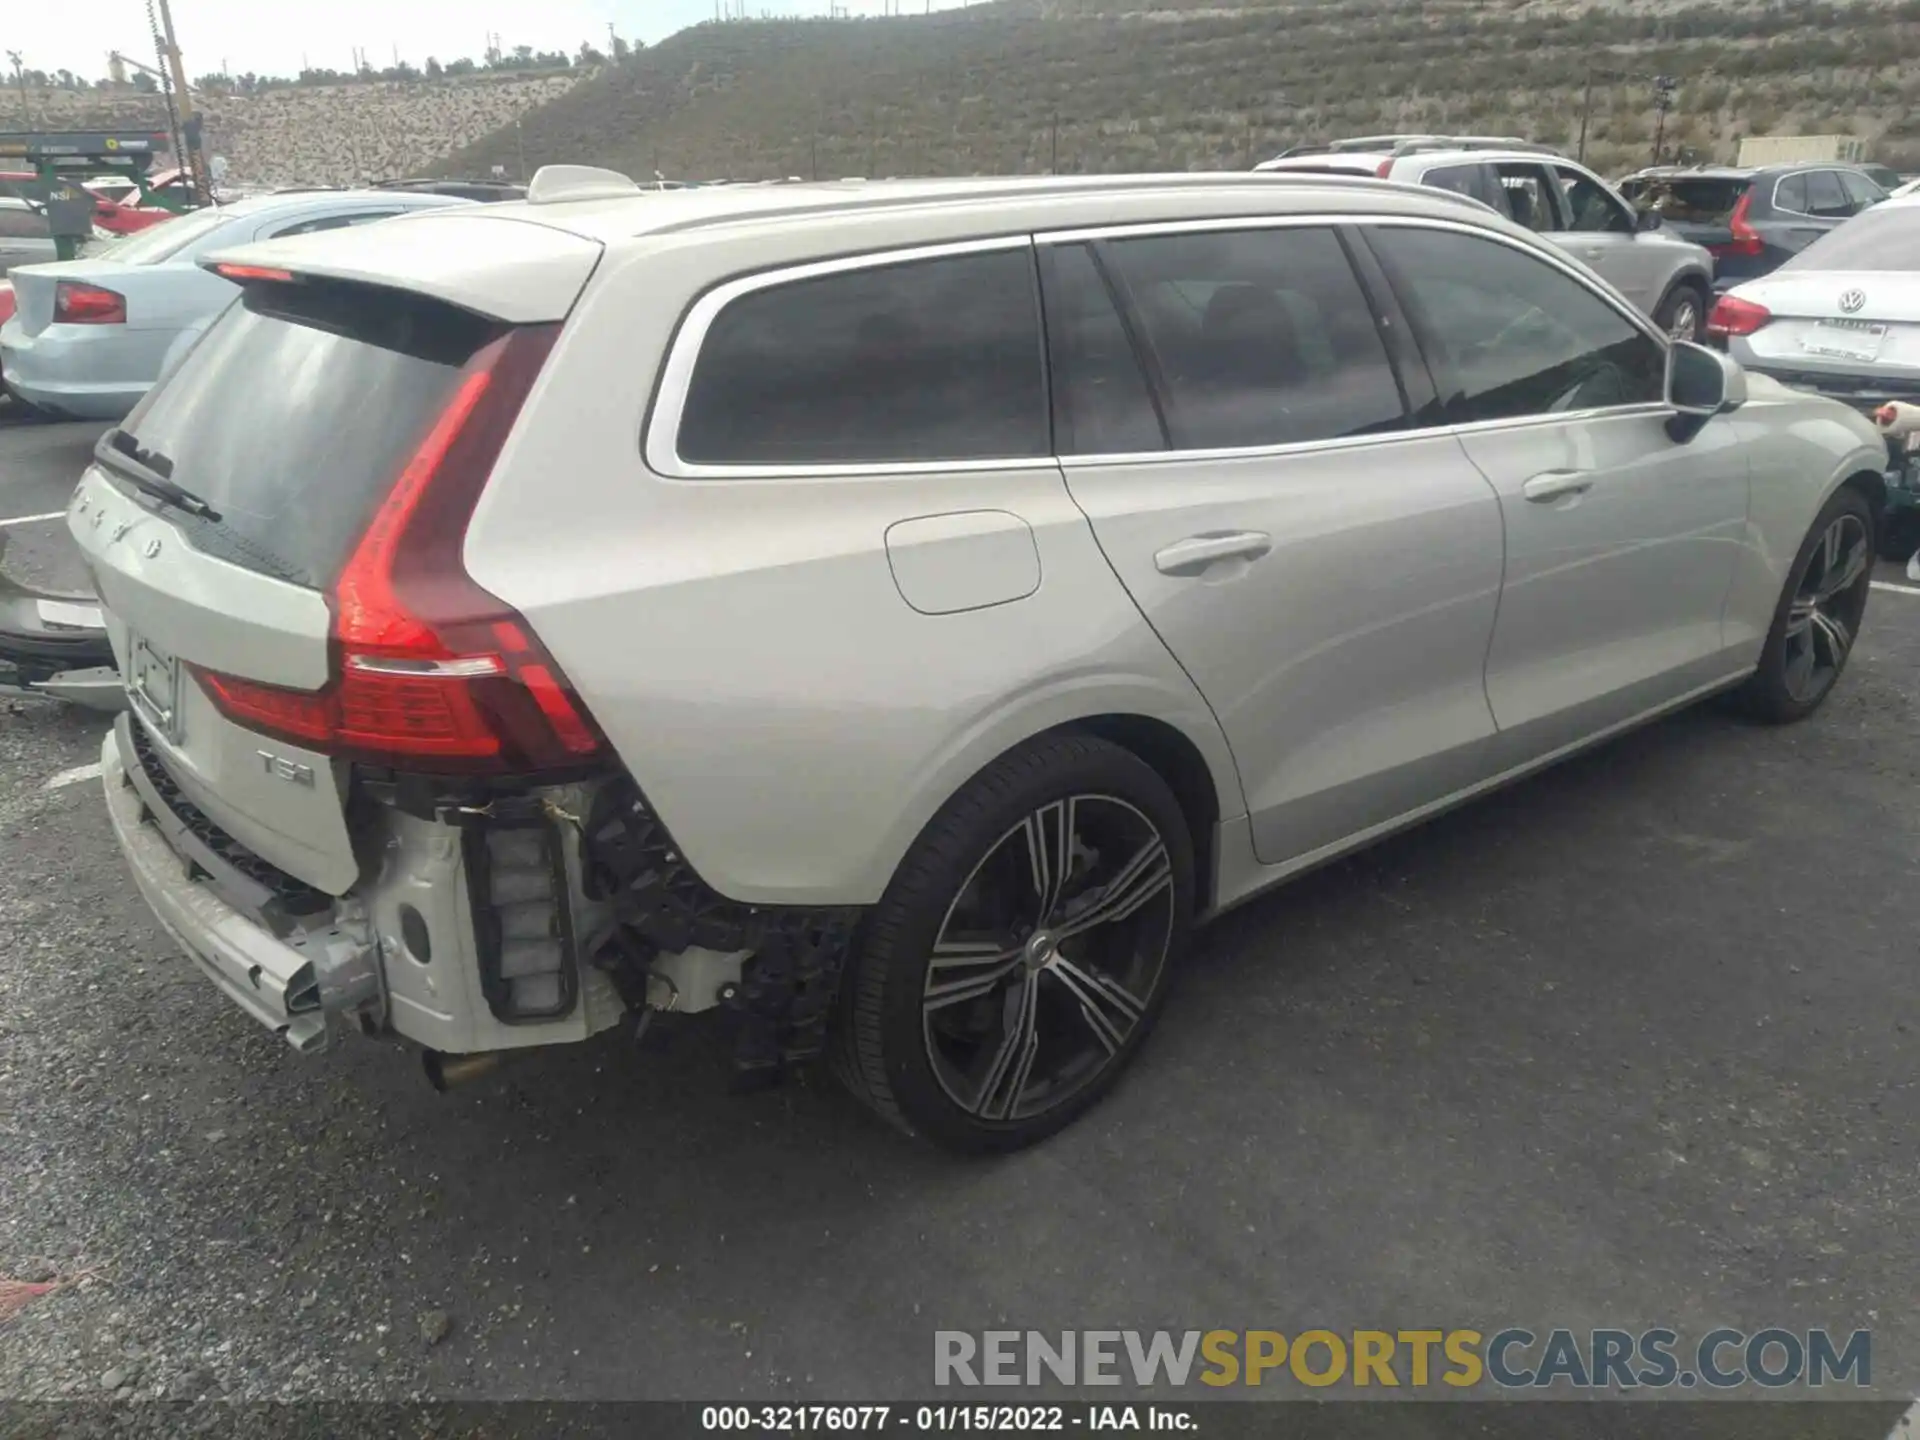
1668	277
89	337
741	600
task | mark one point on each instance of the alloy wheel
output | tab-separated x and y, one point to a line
1048	958
1685	323
1827	605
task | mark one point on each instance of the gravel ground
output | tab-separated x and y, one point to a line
1628	1045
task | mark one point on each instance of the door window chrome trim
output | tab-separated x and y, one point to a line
662	437
661	444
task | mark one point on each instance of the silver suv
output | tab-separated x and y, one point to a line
892	615
1667	276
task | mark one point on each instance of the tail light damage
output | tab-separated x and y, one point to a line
431	672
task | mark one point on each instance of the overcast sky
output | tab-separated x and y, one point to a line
272	36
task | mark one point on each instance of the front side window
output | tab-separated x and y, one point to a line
1258	337
1825	198
1512	336
1861	189
1591	207
1529	196
919	361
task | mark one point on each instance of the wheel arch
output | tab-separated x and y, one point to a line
1185	747
1870	483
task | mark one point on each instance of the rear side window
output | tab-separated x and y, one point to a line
926	360
1511	336
1791	194
1529	194
335	222
295	413
1878	240
1259	337
1462	180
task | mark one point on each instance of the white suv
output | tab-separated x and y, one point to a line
1668	277
891	615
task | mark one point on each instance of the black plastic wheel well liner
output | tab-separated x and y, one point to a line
1874	487
1177	760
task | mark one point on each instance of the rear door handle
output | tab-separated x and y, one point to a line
1195	553
1555	484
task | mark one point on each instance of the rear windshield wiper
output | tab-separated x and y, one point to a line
121	453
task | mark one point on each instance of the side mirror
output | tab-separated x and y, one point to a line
1701	384
1649	220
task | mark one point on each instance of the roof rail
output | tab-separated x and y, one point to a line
1417	145
553	183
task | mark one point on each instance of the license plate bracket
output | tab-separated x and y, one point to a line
153	685
1845	339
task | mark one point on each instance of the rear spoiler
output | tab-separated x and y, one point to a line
515	270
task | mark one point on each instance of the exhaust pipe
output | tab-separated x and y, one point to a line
446	1071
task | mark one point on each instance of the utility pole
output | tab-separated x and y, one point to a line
1663	88
1053	163
1586	114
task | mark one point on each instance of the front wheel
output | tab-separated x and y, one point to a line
1819	614
1683	314
1022	952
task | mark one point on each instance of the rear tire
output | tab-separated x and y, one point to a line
1818	618
1683	310
1023	949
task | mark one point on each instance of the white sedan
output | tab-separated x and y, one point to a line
89	336
1842	319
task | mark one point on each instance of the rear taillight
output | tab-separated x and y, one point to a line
6	302
1733	316
75	303
1746	240
430	671
1383	170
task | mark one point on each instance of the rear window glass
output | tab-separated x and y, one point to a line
922	361
296	412
1697	199
1874	240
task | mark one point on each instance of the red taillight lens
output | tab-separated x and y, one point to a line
6	302
75	303
1733	316
430	670
1746	240
1384	170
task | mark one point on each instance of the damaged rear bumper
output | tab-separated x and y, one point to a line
290	985
55	644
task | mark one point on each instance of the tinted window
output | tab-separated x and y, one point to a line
1878	240
1591	207
1529	196
1461	179
19	223
1511	335
1101	402
335	222
1825	198
1791	194
1260	337
927	360
1698	200
1861	191
296	412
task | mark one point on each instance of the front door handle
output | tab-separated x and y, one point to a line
1556	484
1195	553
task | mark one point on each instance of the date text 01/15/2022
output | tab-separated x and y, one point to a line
941	1419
